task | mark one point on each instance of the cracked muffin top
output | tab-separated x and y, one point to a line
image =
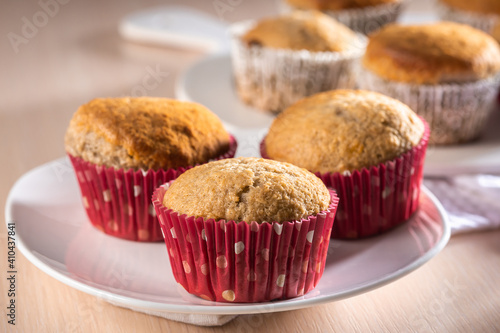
248	189
145	133
435	53
302	30
343	130
336	4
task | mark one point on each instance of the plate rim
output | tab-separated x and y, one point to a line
252	308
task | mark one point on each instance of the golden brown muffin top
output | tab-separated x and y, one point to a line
302	30
343	130
477	6
336	4
434	53
145	133
248	189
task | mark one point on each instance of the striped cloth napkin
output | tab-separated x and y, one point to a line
471	201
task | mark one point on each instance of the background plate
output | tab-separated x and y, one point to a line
249	125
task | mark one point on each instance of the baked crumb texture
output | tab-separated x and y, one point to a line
145	133
248	189
343	130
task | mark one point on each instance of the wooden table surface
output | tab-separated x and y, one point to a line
75	55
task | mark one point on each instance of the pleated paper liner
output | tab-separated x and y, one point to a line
118	201
272	79
456	112
364	20
377	199
243	262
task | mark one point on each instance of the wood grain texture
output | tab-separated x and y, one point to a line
77	56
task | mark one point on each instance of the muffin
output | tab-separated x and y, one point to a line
480	14
369	147
446	72
123	148
280	60
246	229
364	16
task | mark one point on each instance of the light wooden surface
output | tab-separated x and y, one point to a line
77	55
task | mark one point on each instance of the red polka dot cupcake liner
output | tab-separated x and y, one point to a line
225	261
376	199
118	201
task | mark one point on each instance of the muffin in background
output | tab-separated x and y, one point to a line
446	72
364	16
311	31
280	60
480	14
369	147
259	229
123	148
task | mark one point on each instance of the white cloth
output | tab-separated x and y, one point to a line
471	201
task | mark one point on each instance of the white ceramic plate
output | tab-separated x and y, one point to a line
249	124
52	231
